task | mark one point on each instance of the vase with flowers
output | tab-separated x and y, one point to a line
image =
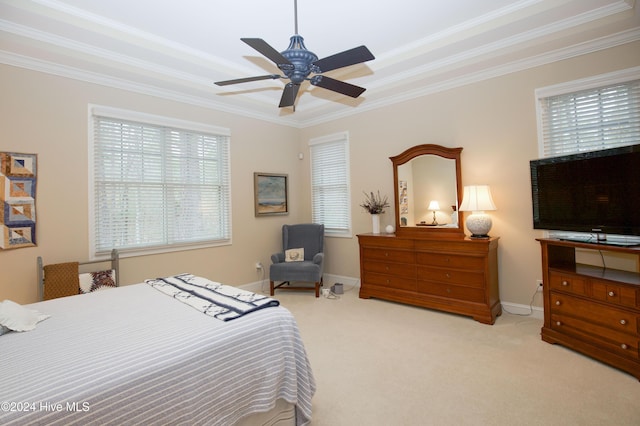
375	204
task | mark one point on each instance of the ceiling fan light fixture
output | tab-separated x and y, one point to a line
297	63
301	58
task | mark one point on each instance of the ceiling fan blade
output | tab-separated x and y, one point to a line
248	79
337	86
344	59
289	95
263	47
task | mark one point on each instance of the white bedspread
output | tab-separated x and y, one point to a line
132	355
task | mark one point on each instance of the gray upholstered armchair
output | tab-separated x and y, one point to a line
293	266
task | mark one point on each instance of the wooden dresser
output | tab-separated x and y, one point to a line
593	310
458	275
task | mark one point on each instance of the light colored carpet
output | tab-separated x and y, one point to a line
382	363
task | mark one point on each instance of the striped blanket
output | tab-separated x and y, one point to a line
211	298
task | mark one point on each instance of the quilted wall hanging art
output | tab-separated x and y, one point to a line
18	200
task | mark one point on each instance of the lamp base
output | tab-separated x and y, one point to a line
479	224
479	237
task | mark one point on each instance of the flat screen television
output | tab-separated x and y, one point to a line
595	192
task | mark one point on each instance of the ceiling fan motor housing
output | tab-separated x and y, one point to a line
301	59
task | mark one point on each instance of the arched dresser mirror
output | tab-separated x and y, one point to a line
428	191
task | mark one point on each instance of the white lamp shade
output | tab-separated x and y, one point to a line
477	198
433	205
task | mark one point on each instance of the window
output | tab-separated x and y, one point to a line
589	119
156	184
330	191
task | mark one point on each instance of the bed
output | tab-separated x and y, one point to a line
134	355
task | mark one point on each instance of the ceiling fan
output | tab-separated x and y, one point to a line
297	63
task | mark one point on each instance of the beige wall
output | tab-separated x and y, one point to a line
494	121
48	115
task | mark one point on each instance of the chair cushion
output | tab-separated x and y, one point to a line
295	271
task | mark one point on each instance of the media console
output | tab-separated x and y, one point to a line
610	242
593	310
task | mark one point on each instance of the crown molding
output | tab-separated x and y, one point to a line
299	121
621	38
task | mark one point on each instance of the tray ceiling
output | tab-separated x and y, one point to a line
176	50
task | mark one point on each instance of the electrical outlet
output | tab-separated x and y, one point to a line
258	265
539	288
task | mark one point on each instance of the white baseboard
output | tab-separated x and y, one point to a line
261	287
518	309
350	282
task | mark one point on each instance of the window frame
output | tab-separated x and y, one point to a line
335	138
165	122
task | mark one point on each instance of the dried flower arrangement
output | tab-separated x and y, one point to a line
374	204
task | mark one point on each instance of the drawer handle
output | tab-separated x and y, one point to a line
386	267
558	323
447	260
386	254
623	321
387	281
612	293
565	283
448	275
558	303
623	346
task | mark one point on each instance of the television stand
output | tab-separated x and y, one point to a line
610	242
590	309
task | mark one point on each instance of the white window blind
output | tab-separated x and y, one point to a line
331	199
591	119
156	187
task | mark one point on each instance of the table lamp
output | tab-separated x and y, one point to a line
477	199
433	206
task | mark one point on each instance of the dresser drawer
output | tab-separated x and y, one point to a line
450	261
389	281
567	283
387	255
467	294
617	294
452	276
397	269
605	338
596	313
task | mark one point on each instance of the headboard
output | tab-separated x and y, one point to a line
115	266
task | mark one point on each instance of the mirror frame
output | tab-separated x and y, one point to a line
410	154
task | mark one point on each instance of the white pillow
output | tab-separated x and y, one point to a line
294	255
18	318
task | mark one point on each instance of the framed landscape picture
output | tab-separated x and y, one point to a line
271	194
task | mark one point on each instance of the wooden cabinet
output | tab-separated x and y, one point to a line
593	310
458	275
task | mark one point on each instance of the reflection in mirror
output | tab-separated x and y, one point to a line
428	190
423	180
